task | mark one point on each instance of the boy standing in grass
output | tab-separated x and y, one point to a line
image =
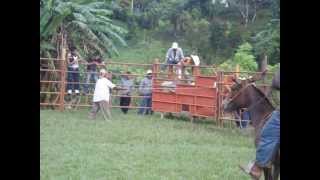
101	96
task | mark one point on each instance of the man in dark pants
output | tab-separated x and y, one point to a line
127	85
145	89
92	74
73	73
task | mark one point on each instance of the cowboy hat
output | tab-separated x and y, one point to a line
103	71
174	45
195	59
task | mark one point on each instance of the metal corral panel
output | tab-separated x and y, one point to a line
164	107
164	101
199	99
205	111
206	81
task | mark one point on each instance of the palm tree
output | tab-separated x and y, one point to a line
87	26
83	24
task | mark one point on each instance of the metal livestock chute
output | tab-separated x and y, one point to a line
200	98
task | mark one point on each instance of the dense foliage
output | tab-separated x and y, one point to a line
214	29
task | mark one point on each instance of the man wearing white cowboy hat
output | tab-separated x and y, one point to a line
145	89
174	54
101	96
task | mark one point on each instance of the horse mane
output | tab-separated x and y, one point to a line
262	94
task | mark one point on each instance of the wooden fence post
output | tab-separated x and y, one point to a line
63	73
218	97
237	71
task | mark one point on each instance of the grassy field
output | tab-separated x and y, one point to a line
135	147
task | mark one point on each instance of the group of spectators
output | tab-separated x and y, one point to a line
103	84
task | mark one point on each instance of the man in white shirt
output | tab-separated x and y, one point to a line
101	96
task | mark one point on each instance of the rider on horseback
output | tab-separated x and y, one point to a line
269	138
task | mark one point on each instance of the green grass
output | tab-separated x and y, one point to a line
135	147
143	52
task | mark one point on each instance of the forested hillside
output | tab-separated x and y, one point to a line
222	32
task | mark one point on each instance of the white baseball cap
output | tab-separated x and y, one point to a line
174	45
196	60
103	71
149	71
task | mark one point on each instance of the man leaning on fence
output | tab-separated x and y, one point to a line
145	89
92	74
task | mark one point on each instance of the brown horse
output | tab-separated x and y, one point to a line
245	94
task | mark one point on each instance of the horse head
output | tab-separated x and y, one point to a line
238	97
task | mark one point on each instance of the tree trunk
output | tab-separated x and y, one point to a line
254	11
247	13
263	63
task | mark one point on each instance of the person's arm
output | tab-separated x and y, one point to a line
168	55
102	64
83	61
141	87
113	86
90	63
130	88
182	56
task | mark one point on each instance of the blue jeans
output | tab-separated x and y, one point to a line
269	140
146	102
246	117
91	76
73	79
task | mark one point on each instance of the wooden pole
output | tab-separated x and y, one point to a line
131	6
263	67
63	72
196	71
155	69
218	97
170	72
237	71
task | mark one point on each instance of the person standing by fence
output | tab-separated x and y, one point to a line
73	73
92	74
127	85
145	89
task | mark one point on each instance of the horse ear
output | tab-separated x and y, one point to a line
259	76
235	80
